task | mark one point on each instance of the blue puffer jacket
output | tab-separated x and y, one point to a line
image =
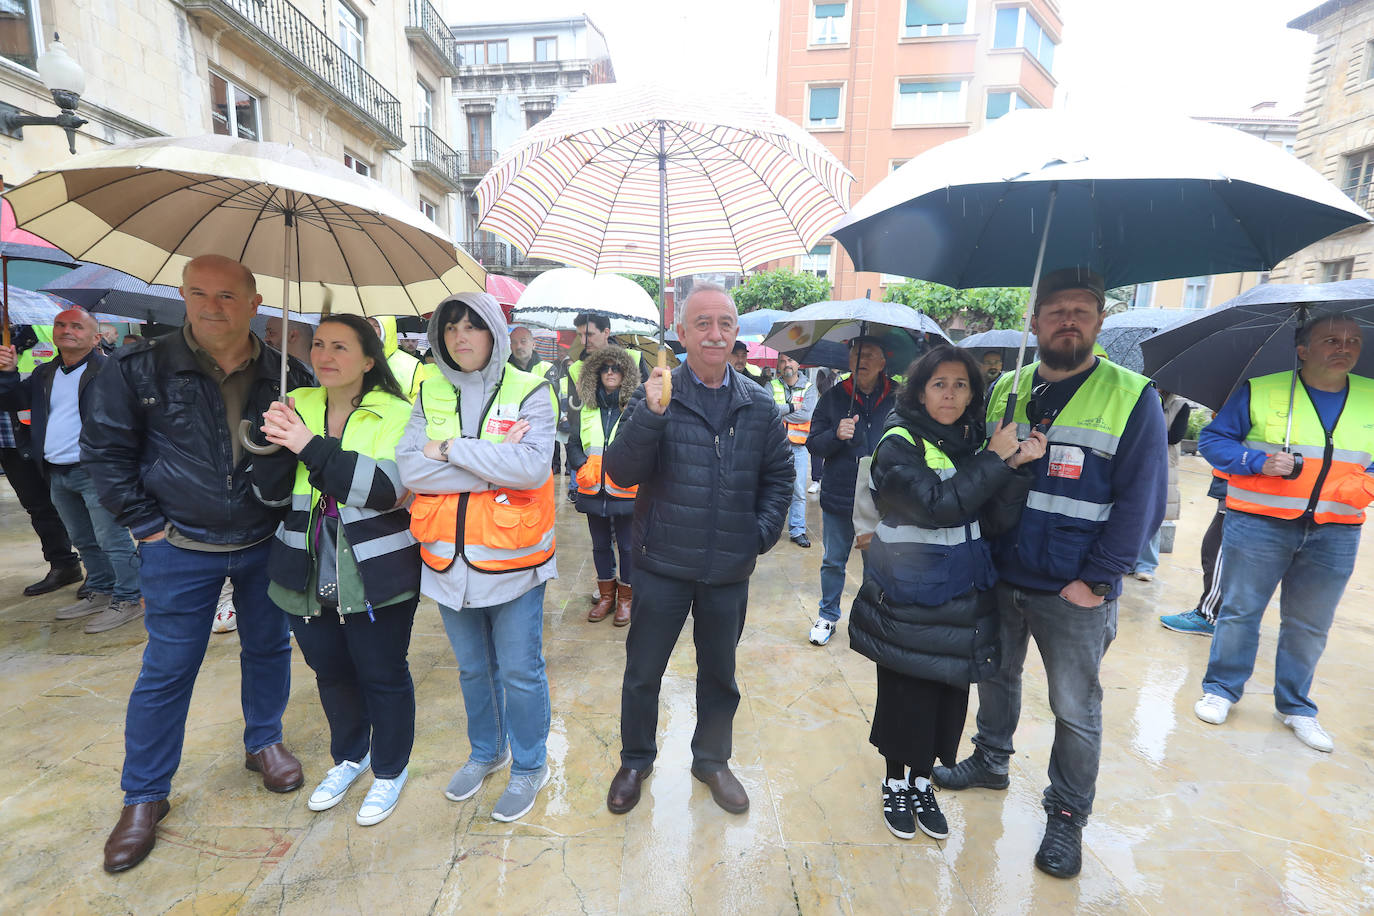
842	456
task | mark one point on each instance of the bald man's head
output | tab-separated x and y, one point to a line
74	333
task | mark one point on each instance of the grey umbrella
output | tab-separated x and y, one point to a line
99	288
1122	333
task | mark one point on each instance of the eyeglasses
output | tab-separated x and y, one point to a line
615	369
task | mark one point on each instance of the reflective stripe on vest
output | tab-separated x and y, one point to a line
796	432
1318	487
592	477
938	462
501	530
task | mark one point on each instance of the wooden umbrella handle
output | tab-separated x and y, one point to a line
667	392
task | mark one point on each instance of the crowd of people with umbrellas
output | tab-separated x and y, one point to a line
992	499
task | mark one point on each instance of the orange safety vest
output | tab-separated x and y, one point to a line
796	432
591	477
500	530
1334	485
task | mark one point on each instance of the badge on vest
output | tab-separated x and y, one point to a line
501	419
1066	461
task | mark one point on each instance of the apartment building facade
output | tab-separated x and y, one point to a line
511	75
364	83
881	81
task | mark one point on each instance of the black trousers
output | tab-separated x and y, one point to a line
659	609
603	528
364	681
28	483
1210	602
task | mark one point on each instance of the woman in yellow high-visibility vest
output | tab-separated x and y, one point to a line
477	453
609	377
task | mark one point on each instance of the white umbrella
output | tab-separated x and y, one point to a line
554	298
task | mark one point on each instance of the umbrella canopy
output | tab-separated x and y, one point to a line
996	339
506	290
743	184
1208	356
901	331
760	321
554	298
96	287
1122	333
29	307
337	240
1181	198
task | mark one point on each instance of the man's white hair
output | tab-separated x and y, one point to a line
705	287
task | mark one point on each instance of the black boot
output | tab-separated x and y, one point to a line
1061	851
57	577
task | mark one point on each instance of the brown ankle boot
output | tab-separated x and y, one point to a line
623	595
602	608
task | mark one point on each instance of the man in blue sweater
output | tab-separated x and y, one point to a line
1098	495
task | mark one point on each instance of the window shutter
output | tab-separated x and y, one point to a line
935	12
829	10
952	86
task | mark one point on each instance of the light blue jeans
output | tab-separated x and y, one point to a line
1313	563
796	512
837	534
1148	560
105	547
500	653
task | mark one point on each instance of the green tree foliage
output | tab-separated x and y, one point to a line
648	284
981	309
780	289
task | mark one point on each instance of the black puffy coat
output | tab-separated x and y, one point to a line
955	642
35	395
709	501
842	456
157	448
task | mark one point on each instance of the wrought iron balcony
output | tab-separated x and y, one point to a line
476	163
293	40
434	157
492	255
427	33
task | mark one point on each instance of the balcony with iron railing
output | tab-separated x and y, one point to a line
477	162
427	33
286	34
431	156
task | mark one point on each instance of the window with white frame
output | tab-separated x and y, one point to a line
497	52
350	30
931	102
233	110
430	211
424	104
1338	271
1144	296
481	53
1015	27
923	18
817	261
1359	177
1369	61
545	49
823	105
353	162
19	31
999	103
829	23
1196	291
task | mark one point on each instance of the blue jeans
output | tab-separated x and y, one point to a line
1148	560
500	653
1072	641
796	512
181	588
105	547
837	533
1313	562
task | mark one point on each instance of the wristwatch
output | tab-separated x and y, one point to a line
1100	589
443	453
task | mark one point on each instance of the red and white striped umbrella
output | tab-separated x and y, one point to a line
740	185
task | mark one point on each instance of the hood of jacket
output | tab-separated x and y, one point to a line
588	380
390	340
474	388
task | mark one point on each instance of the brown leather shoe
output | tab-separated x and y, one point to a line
624	594
624	793
281	772
604	602
725	789
135	835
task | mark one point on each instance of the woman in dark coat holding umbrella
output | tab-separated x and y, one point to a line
926	613
608	378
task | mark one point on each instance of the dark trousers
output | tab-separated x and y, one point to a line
1210	602
603	528
365	687
659	610
28	483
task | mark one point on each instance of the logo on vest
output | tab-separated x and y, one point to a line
1099	423
1066	461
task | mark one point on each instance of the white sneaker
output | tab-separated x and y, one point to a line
815	487
226	621
1309	732
1143	576
335	784
1212	708
821	631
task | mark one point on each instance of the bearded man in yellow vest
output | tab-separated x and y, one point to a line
1293	517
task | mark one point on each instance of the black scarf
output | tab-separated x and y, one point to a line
959	441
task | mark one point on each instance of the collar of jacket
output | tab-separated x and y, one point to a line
177	352
54	365
685	390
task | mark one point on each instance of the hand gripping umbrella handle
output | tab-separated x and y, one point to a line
667	392
246	440
1297	468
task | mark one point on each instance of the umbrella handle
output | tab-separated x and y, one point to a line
1297	468
246	440
667	393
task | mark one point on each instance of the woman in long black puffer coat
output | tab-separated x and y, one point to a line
926	613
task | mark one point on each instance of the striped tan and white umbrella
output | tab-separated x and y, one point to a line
740	185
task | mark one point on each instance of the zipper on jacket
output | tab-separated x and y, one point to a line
1327	454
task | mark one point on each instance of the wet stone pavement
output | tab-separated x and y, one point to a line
1189	816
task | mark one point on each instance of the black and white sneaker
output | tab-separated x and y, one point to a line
897	809
929	817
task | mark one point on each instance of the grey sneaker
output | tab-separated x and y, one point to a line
973	772
116	615
468	780
519	796
93	603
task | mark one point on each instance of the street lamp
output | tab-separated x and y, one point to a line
64	78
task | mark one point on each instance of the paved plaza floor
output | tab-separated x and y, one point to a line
1190	817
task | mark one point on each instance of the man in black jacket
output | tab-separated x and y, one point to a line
715	478
846	426
57	393
161	443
